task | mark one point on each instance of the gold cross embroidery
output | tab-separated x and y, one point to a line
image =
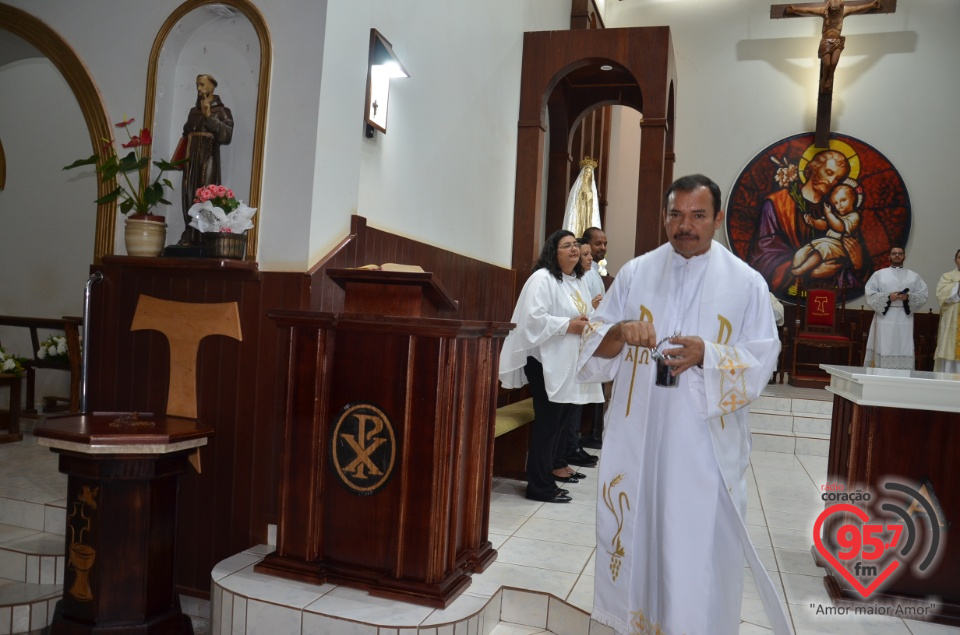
733	401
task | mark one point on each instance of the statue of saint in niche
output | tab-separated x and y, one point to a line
209	125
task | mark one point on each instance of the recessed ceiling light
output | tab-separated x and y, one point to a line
606	67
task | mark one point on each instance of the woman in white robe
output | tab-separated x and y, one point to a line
550	315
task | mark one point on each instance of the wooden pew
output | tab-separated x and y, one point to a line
512	439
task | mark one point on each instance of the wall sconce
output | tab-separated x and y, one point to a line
383	66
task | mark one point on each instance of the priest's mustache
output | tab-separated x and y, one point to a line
684	235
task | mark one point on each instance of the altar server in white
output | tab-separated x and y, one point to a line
895	294
671	533
552	311
948	338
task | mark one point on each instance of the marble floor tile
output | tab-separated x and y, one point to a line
501	574
549	555
571	533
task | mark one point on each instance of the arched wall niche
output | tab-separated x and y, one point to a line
81	83
643	74
231	35
579	114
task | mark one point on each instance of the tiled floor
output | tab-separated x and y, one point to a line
551	548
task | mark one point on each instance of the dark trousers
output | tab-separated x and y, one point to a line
551	420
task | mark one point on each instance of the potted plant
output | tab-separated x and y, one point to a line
223	221
145	231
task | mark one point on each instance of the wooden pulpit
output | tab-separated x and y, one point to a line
388	441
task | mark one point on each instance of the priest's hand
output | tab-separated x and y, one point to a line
596	300
577	325
690	353
626	333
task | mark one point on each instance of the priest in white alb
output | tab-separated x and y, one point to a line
894	294
671	532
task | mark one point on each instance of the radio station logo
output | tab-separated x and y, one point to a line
363	448
867	551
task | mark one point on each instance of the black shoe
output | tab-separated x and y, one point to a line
593	444
552	498
578	475
562	492
565	479
581	462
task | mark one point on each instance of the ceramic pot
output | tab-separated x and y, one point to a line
144	235
224	245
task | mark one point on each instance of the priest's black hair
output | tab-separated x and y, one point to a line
691	182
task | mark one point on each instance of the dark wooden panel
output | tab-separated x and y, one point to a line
484	291
241	388
242	385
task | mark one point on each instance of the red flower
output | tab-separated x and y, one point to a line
145	138
124	124
134	142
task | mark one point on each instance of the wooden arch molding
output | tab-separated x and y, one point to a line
645	80
78	78
263	92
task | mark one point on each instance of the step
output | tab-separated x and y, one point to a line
25	607
792	425
31	556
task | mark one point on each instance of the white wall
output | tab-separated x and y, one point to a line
47	217
745	81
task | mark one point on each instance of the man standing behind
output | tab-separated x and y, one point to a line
894	294
671	538
948	339
598	248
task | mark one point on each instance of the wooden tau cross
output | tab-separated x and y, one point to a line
832	12
184	324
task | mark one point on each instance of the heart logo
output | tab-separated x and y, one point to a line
867	591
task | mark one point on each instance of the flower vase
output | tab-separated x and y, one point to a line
224	245
144	235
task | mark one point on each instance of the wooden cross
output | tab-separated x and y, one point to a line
832	12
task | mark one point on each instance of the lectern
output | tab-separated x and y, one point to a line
388	441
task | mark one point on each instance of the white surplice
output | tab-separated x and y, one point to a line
947	355
890	342
543	313
671	533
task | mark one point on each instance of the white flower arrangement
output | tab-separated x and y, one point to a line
216	209
10	364
54	349
602	267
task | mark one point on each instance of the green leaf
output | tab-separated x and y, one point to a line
112	196
76	164
153	194
168	165
168	183
126	206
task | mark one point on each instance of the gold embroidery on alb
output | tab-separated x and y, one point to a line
645	316
618	553
579	303
725	331
642	626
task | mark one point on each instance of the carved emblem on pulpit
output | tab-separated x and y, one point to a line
363	448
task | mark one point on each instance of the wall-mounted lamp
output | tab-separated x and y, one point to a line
383	66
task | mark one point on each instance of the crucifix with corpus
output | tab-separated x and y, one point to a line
832	12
